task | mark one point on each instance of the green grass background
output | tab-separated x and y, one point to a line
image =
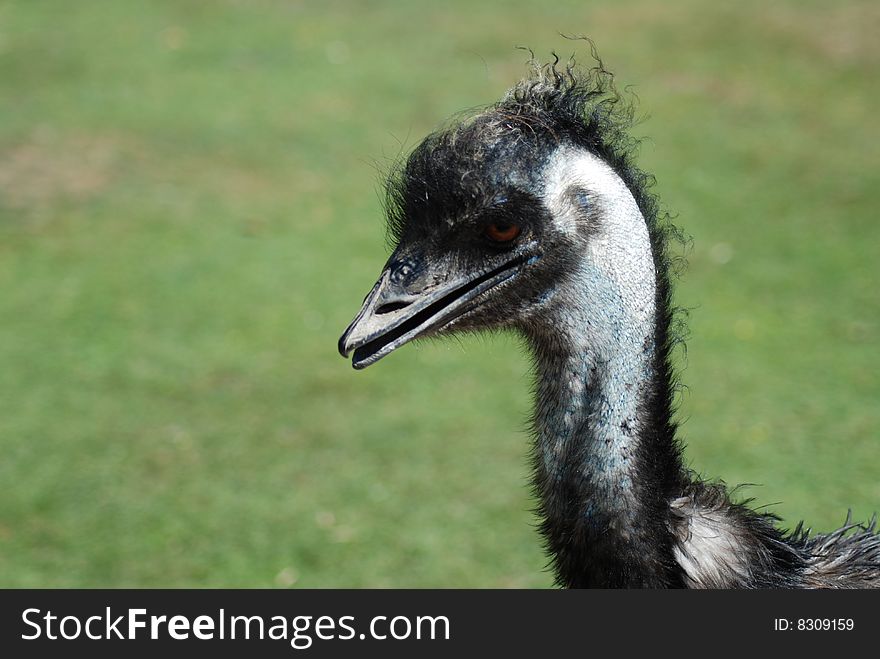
189	218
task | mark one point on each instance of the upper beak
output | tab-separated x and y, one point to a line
393	315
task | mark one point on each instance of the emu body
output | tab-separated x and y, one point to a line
532	216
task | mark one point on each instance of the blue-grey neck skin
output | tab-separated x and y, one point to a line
594	342
617	507
591	383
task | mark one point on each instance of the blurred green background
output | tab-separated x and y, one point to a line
189	219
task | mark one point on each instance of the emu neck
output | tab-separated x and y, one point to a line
602	470
605	460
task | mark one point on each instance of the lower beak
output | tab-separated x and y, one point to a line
392	316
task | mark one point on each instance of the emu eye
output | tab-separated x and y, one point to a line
501	232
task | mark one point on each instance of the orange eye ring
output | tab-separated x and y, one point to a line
502	232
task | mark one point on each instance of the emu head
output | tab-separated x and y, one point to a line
510	219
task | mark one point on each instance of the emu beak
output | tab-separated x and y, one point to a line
393	315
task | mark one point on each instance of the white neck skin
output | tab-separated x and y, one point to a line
595	352
603	319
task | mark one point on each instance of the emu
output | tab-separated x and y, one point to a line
532	216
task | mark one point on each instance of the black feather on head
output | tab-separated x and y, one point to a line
463	167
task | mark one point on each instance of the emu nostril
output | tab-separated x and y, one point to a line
391	306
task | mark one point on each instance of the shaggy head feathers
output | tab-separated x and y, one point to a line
473	165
